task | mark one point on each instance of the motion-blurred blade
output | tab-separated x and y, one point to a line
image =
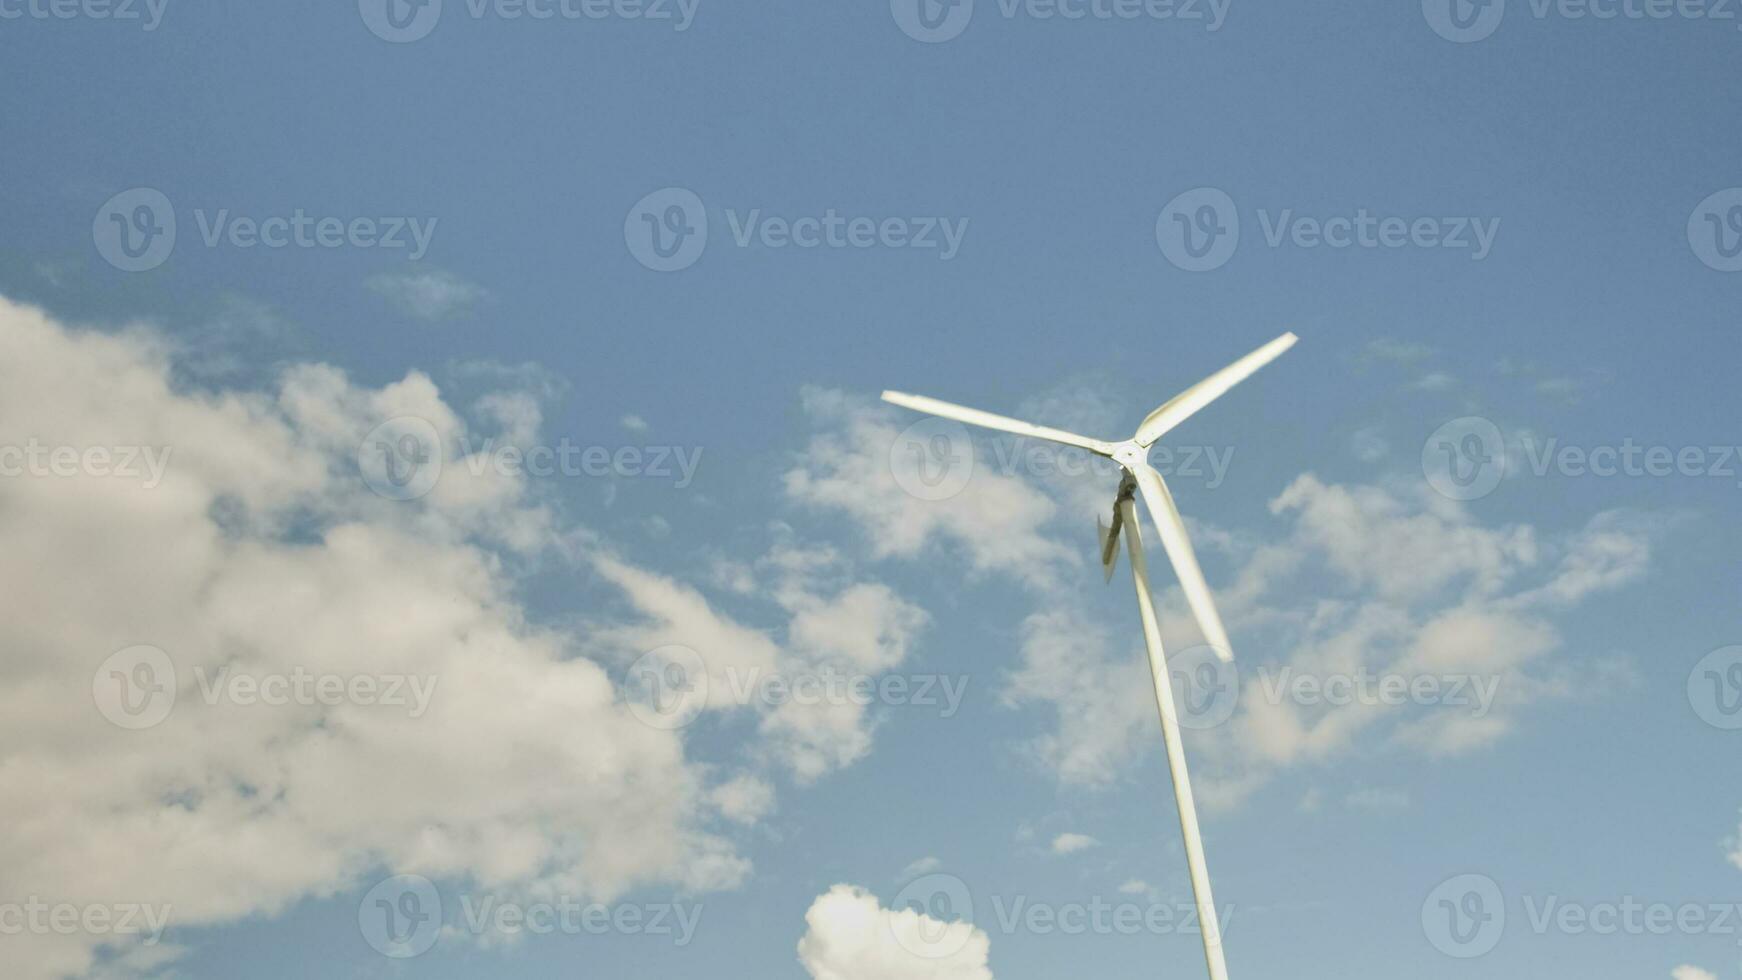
1171	528
973	416
1110	542
1186	403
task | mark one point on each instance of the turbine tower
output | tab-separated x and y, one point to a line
1141	479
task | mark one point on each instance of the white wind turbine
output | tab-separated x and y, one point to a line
1140	477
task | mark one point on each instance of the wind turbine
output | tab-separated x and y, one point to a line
1141	479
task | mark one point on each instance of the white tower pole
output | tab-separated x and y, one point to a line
1176	755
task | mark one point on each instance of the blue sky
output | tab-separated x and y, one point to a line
1568	279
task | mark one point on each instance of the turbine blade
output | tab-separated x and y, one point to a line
973	416
1110	542
1186	404
1171	528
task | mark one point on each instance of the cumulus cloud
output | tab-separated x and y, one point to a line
744	798
1692	973
255	549
849	936
1364	579
996	522
828	627
1357	580
427	294
1102	703
1069	843
262	554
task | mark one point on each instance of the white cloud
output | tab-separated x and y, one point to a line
1369	445
1387	577
262	551
634	423
996	521
1102	703
1404	547
828	624
1070	843
743	798
1692	973
1134	886
849	936
428	294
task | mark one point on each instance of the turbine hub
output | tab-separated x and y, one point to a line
1129	454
